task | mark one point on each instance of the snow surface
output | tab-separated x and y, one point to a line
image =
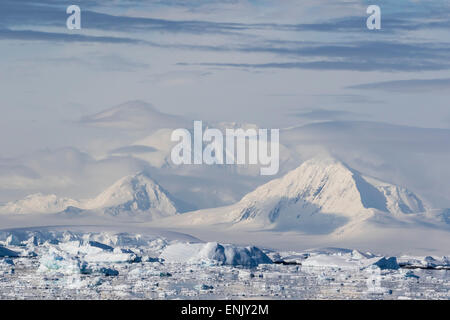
326	187
135	195
322	196
38	203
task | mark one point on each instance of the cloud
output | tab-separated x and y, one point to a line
133	149
351	99
62	171
409	156
97	15
264	36
25	20
108	63
374	55
409	86
324	114
357	55
393	66
13	13
133	115
30	35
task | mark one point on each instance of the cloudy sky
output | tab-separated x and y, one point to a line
273	63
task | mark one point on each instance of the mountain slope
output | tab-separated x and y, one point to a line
38	203
132	196
323	189
319	197
134	115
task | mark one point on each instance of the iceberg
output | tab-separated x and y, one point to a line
214	253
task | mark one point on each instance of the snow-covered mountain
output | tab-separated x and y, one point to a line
155	148
134	115
323	190
38	203
135	195
319	197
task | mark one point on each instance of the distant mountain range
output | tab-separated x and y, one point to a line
134	115
321	196
327	186
136	195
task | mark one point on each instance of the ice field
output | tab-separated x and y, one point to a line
62	264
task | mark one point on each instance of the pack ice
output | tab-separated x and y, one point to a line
65	263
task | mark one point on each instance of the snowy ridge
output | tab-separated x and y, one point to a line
133	115
398	199
135	195
323	192
318	197
38	203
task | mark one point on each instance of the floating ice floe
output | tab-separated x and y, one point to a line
6	266
116	256
103	240
5	252
106	265
57	261
389	263
340	259
425	262
76	257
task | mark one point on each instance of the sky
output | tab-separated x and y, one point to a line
274	63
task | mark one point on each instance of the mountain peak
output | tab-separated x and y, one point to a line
326	164
134	114
323	188
323	161
138	177
134	194
136	105
38	203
